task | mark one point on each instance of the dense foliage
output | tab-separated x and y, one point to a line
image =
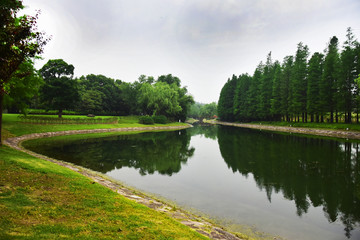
20	42
100	95
315	88
201	111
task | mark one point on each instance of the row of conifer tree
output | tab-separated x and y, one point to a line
317	88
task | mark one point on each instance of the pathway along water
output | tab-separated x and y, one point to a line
292	186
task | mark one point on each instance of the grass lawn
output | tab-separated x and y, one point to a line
12	124
42	200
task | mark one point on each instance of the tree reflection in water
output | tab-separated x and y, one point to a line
161	152
310	171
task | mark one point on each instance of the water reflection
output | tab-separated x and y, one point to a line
310	171
162	152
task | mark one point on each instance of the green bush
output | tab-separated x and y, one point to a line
146	120
160	119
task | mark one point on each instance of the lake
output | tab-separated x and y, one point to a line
286	185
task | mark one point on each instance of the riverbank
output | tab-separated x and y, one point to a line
44	200
347	134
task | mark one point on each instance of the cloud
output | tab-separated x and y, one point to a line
202	42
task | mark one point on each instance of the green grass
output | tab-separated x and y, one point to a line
41	200
12	124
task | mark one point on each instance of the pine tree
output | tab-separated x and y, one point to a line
266	89
254	93
313	87
276	93
329	96
285	90
348	75
226	100
299	81
241	107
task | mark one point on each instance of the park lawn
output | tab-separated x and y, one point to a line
42	200
12	125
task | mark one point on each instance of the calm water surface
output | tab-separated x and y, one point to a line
292	186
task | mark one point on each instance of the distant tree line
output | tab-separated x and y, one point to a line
201	110
56	88
317	89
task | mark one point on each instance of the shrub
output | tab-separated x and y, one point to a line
146	120
160	119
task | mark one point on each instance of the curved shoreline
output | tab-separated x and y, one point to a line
300	130
197	223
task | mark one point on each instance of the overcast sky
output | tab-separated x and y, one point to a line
203	42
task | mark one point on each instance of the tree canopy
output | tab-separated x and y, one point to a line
19	42
60	91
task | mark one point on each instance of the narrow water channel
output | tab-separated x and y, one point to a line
293	186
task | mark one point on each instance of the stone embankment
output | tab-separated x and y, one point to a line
309	131
197	223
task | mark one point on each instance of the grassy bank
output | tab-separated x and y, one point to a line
42	200
12	124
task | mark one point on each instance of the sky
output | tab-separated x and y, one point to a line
203	42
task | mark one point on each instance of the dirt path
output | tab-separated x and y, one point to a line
200	225
309	131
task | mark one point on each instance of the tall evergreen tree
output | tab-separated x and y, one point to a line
226	100
285	90
348	75
266	89
241	98
276	93
254	93
299	81
329	81
313	87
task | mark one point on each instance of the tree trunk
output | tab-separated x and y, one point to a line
331	116
1	113
349	117
336	117
60	113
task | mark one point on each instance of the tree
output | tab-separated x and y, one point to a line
285	87
107	93
60	91
226	100
329	80
313	87
299	81
266	88
254	94
208	110
159	99
19	41
241	98
348	75
276	94
25	84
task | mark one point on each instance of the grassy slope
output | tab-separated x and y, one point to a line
41	200
12	124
